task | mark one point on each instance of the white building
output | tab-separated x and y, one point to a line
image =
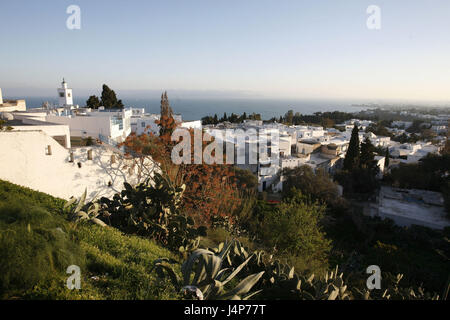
142	122
412	153
59	132
65	98
11	105
408	207
35	160
110	126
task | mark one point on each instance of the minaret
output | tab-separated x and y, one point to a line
1	97
65	95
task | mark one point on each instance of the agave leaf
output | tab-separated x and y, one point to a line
236	271
70	202
93	209
213	264
251	295
221	273
333	294
200	275
226	249
291	273
81	215
98	221
172	275
186	267
244	286
81	202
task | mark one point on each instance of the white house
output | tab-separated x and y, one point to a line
35	160
11	105
110	126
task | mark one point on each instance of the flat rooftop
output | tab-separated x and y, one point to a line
415	206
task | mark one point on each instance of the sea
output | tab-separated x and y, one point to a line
195	109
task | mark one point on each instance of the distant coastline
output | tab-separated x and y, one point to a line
195	109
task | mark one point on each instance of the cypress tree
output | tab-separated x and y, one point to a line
352	156
386	160
109	98
166	120
366	159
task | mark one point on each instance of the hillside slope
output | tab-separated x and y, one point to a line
37	244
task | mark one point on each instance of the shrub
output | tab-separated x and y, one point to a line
293	229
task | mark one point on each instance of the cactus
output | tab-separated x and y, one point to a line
152	209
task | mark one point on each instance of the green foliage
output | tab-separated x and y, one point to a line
379	129
366	158
351	160
245	179
416	126
431	173
404	138
318	185
37	245
204	278
118	264
153	211
360	169
394	291
13	193
109	99
207	271
293	229
93	102
325	119
34	246
419	253
84	211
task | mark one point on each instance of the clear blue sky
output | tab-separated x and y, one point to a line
282	48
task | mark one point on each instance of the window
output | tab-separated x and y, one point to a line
61	94
143	124
68	94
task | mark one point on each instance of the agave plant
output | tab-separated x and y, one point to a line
280	281
393	291
84	211
204	278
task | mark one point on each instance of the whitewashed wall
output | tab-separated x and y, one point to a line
24	161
